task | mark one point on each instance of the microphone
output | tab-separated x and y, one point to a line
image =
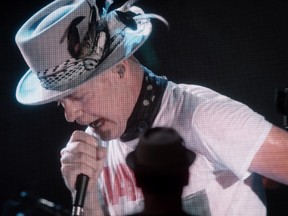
81	187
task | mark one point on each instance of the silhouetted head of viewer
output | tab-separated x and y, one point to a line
161	167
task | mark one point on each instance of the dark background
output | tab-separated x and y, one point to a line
238	48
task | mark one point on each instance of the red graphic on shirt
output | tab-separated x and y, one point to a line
120	183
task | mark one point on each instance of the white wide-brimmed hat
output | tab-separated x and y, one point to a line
70	41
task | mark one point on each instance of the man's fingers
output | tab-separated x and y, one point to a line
79	158
82	154
80	147
81	136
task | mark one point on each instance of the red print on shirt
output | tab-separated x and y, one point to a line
120	183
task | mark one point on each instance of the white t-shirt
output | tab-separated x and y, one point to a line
224	134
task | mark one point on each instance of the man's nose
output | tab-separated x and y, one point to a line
72	110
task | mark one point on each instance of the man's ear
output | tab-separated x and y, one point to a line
120	69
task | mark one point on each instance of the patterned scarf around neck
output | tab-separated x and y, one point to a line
147	106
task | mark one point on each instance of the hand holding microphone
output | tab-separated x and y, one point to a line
82	158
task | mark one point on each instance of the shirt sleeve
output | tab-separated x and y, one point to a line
230	134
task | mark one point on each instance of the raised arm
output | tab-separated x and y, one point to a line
271	160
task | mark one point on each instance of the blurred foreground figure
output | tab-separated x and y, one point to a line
161	167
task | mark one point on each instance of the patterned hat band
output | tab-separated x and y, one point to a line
75	69
102	37
66	72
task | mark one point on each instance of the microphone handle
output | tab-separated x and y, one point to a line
81	187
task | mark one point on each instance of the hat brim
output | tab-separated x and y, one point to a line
30	92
